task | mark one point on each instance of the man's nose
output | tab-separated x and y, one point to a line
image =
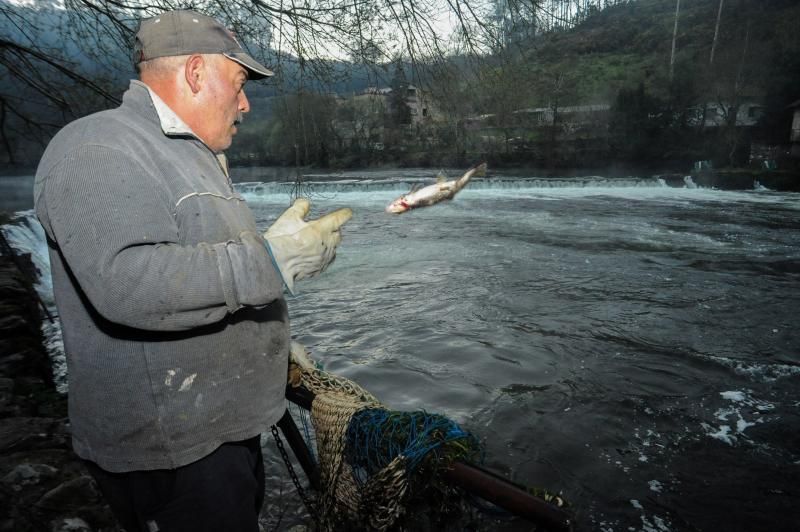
244	103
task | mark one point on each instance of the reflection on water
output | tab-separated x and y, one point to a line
630	344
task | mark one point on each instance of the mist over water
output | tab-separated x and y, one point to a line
630	344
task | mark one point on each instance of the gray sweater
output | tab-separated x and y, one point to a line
175	328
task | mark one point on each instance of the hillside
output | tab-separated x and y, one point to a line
628	44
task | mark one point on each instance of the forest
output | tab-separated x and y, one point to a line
554	84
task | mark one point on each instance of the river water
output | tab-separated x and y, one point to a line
629	344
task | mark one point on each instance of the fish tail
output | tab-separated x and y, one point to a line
477	170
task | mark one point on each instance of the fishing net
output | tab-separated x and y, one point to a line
373	461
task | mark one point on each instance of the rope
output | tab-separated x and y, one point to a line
371	458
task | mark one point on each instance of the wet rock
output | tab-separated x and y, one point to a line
70	524
6	386
43	485
27	474
70	495
13	324
26	433
7	406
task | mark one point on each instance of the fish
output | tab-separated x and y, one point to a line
432	194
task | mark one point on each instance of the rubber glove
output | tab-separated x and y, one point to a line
303	249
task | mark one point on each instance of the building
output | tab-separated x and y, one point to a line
568	114
420	105
719	114
418	102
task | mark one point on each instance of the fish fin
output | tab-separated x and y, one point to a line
440	177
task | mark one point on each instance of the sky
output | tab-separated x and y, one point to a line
443	22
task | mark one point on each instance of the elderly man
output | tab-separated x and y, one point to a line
174	323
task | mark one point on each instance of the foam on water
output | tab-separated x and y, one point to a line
757	371
732	418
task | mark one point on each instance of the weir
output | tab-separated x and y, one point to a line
399	185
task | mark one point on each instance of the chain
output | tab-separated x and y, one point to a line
296	481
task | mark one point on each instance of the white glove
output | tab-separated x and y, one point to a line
299	355
304	249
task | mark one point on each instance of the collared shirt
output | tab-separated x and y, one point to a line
172	125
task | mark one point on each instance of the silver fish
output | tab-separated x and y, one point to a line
435	193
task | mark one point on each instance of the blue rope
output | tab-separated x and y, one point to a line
376	436
308	430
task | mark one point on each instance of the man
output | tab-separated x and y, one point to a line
174	324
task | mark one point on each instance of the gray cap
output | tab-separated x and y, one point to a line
185	32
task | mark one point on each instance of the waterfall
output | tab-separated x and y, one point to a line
25	235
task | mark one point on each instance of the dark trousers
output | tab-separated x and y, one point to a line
222	492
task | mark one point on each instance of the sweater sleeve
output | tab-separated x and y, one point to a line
114	227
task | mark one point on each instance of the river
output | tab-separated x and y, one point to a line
629	343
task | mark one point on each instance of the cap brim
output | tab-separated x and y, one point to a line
256	69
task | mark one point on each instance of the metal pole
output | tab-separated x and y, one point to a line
299	448
506	495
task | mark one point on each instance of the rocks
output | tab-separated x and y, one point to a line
71	495
26	474
44	487
74	524
31	433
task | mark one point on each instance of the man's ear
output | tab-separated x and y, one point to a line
194	68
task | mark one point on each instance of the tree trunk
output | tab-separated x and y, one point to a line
716	33
674	38
734	110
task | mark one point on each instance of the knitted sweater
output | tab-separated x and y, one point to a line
175	328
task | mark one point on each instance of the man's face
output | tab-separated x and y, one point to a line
223	102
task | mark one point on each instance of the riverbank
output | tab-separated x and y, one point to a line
742	179
43	484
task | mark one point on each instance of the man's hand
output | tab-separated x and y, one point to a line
304	249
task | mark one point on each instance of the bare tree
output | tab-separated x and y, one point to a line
63	53
704	114
716	33
674	38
